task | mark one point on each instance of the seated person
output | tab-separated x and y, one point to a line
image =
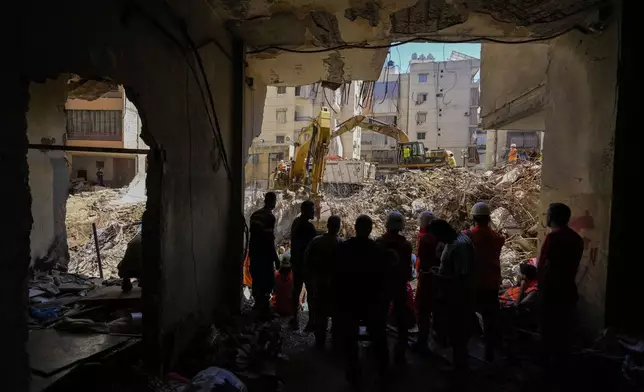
525	294
281	299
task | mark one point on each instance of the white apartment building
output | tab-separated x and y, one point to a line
436	102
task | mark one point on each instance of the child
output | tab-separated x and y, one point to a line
283	292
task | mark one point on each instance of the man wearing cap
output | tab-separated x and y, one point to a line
428	258
487	247
398	251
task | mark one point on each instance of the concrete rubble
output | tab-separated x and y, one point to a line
512	192
116	223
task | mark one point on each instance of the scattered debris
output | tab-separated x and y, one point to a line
512	192
117	224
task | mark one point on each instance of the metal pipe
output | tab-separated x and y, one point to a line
113	150
98	253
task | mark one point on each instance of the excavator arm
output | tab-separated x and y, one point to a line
371	124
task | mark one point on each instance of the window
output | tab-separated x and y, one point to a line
253	159
298	91
474	118
94	124
422	78
280	116
421	117
421	98
474	97
281	90
279	139
100	164
421	135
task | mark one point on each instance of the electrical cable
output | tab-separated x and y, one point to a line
327	100
386	79
215	126
415	39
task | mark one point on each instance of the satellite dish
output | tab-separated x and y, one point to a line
414	56
422	57
390	63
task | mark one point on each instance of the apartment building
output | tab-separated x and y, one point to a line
289	110
435	102
109	121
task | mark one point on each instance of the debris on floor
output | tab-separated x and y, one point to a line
512	191
117	223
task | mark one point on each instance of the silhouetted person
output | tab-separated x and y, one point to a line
559	260
321	261
362	297
426	291
263	257
456	276
100	176
399	252
302	233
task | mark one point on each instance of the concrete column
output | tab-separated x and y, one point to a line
14	235
48	176
578	152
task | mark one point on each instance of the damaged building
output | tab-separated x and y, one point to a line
198	71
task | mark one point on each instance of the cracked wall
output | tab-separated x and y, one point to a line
578	153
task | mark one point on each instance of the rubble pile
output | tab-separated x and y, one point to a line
116	224
286	209
512	192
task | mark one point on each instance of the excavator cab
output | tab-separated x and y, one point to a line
414	155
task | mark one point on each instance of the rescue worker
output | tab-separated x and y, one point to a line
282	296
406	154
302	232
263	257
320	259
363	281
487	246
559	259
426	291
451	161
525	294
456	276
399	252
514	154
423	221
131	266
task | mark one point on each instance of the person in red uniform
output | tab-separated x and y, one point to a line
428	258
487	247
399	252
559	260
282	300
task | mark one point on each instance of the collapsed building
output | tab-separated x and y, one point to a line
198	70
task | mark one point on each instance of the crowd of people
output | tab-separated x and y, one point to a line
362	282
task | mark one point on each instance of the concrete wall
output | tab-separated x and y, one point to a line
578	152
513	79
132	133
115	174
46	120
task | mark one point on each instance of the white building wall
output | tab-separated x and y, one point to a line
132	132
448	87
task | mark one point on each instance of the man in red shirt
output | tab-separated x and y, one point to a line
559	260
487	247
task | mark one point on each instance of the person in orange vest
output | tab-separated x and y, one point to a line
487	246
526	293
514	154
282	299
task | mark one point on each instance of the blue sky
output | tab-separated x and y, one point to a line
402	54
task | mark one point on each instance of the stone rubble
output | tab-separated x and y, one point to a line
116	224
512	192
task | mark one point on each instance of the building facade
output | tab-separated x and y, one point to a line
109	121
435	102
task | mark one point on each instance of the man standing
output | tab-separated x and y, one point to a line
302	232
425	292
100	176
399	251
457	288
362	297
559	260
321	259
263	258
487	246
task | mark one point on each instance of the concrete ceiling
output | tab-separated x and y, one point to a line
320	24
